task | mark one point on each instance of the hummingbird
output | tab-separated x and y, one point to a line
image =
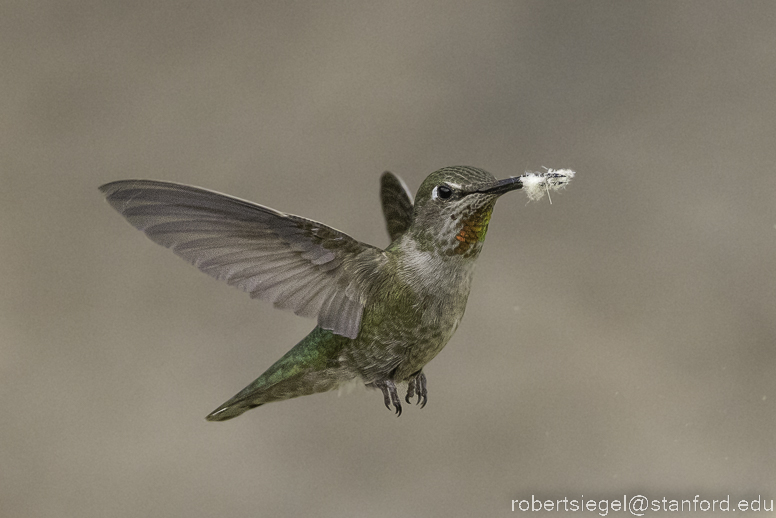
382	314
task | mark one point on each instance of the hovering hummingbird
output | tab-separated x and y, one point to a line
382	314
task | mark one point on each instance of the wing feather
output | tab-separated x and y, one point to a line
396	199
296	263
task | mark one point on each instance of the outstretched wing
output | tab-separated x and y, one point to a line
296	263
397	204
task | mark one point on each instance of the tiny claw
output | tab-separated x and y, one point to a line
422	392
390	395
417	386
410	391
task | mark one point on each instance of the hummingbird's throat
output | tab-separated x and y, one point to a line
474	226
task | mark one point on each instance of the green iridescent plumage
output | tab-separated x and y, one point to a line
382	314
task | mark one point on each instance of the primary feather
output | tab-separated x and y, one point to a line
296	263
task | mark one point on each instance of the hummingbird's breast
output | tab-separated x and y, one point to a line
412	315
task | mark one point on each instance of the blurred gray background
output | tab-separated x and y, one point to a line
621	340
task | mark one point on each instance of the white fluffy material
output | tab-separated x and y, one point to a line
536	185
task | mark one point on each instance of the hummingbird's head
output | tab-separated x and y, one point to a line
453	208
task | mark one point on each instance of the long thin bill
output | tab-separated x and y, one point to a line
501	186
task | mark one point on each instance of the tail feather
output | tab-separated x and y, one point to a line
310	367
229	411
263	391
270	386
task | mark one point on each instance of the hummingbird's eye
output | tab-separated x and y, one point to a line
444	192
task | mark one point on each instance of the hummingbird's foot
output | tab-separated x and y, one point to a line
417	385
390	395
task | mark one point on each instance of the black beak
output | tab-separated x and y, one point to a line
499	187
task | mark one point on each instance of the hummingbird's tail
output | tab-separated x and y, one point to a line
311	366
269	387
267	390
231	410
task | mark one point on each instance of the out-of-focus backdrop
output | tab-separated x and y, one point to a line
621	340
